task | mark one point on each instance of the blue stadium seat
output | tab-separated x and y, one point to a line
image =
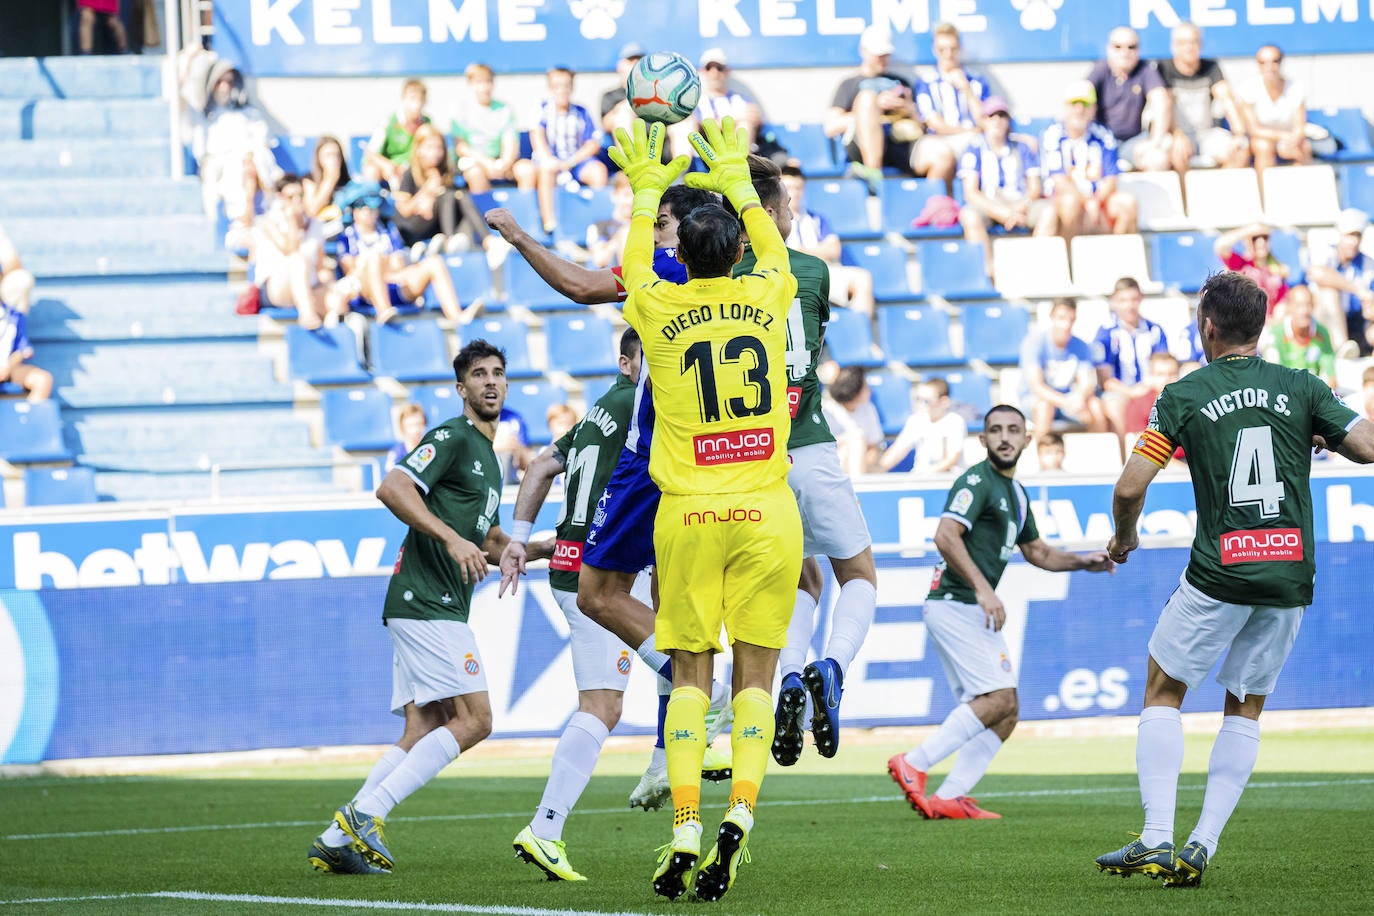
903	199
581	344
31	431
358	419
849	337
970	393
59	486
471	277
916	335
441	402
523	205
354	151
524	286
1357	187
293	153
106	77
91	118
1183	261
23	78
888	265
577	210
954	269
508	335
411	351
1031	128
843	201
808	144
326	356
1287	247
1349	128
12	117
993	333
532	400
892	397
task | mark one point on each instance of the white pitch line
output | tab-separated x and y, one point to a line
325	902
770	803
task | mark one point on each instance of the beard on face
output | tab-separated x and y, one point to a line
1000	464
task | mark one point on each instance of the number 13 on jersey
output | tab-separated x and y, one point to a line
742	381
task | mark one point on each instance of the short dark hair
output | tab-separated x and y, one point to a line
1065	302
793	171
708	242
766	176
630	343
682	200
472	351
1235	304
939	383
848	384
1125	283
996	408
1050	438
286	181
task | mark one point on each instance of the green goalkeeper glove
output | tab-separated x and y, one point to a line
638	155
725	150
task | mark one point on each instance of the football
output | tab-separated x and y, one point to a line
663	86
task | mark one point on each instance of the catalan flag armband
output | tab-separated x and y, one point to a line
1154	446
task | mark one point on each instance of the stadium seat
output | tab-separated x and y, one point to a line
471	278
581	344
916	335
903	199
1036	268
808	144
1357	187
357	147
1183	260
970	393
889	266
1349	128
441	402
411	351
1159	196
294	154
843	201
1172	313
358	419
325	356
523	205
532	400
524	286
1220	198
1100	260
849	337
1286	245
577	210
31	431
23	78
994	333
59	486
891	395
105	77
1031	128
1300	195
1092	453
508	335
954	269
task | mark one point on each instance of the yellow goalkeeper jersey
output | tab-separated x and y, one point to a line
716	351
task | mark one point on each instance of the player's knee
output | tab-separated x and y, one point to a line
592	603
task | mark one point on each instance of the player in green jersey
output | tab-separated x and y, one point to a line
1247	427
587	454
987	516
448	492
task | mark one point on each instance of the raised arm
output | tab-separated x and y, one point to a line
637	154
578	283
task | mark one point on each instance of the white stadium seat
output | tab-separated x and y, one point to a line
1092	453
1031	268
1300	195
1100	260
1159	197
1220	198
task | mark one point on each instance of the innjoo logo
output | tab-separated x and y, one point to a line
727	448
725	515
567	556
1261	544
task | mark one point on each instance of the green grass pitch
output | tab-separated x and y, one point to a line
832	837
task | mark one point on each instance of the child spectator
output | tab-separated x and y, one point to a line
229	137
1164	370
1122	351
1058	376
1275	114
288	256
1345	280
107	11
1049	452
606	237
412	423
560	418
566	144
388	151
1001	176
934	432
850	286
15	351
950	105
848	407
1125	87
1200	93
484	136
1078	164
328	175
429	210
874	112
1255	260
1295	339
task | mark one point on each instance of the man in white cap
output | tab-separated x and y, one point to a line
1345	285
718	99
874	111
1079	169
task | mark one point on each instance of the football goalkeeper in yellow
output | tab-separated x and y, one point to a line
727	534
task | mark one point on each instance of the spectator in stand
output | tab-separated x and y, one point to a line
1058	375
1126	88
512	445
229	137
1295	339
107	11
933	431
718	99
484	136
375	271
1001	177
287	253
1122	351
950	104
328	175
1164	370
388	151
429	209
606	237
1255	260
566	144
1200	93
412	423
1079	169
16	283
15	351
560	418
874	112
1345	282
615	110
1274	111
848	408
850	286
1049	453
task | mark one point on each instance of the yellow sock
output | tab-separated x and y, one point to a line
751	740
684	742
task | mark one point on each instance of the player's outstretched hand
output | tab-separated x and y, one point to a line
725	150
638	153
1099	561
512	568
1120	551
472	562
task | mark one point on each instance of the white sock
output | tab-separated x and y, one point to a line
381	770
972	762
851	620
573	761
651	656
1233	760
430	754
957	730
658	760
1158	760
792	658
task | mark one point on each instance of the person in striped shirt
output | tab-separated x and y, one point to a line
1079	167
566	144
951	105
1001	178
718	99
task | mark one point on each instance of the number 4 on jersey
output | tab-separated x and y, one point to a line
1254	481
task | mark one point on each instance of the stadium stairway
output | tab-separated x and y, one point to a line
157	379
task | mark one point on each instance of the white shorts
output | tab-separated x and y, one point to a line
600	660
432	660
832	523
975	658
1195	629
